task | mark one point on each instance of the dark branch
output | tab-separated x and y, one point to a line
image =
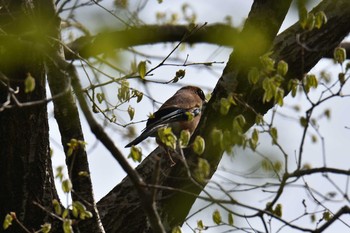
88	46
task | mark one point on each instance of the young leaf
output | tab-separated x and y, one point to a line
46	228
273	133
184	138
7	221
224	106
320	19
282	68
67	226
278	210
198	145
167	137
131	112
100	97
217	217
203	170
200	225
135	154
339	54
230	219
57	207
176	229
216	136
142	69
67	186
253	75
29	83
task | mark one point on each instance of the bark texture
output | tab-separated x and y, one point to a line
25	163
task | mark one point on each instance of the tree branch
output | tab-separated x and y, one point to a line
88	46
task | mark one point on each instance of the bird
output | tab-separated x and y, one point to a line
182	111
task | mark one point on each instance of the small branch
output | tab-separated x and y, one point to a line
299	173
336	216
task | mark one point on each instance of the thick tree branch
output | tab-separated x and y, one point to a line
219	34
88	46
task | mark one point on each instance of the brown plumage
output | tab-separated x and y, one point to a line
174	113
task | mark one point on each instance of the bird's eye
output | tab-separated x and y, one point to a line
201	94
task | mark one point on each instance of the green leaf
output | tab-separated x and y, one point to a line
46	228
57	207
198	145
216	136
253	75
278	210
279	94
327	113
180	74
176	229
184	138
293	86
267	62
339	55
312	80
75	211
167	137
131	112
217	217
139	95
29	83
67	226
83	174
327	215
282	68
67	186
65	213
74	145
253	142
100	97
320	19
310	21
341	78
224	106
7	221
230	219
259	119
200	225
302	15
135	154
142	69
124	91
202	170
303	121
59	172
277	166
274	135
239	123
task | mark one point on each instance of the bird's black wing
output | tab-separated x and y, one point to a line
161	118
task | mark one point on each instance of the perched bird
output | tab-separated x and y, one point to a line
182	111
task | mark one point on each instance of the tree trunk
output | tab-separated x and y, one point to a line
25	163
